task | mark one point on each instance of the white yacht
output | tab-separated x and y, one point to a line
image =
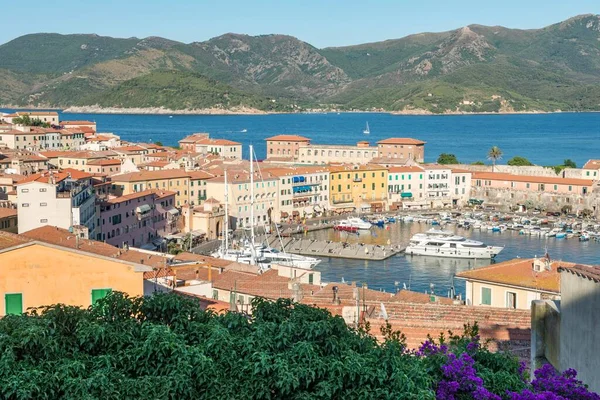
438	243
359	223
274	256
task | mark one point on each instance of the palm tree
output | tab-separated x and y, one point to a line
494	154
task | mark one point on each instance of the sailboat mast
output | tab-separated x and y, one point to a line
253	258
226	224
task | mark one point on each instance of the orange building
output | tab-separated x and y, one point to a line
402	148
49	265
287	146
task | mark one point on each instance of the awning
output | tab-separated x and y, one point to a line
407	194
173	211
365	205
158	241
144	208
284	214
148	246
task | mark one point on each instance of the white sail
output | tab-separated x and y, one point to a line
367	130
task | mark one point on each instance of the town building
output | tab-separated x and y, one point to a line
514	283
406	187
438	185
591	170
513	191
140	219
50	117
9	219
50	265
362	187
78	125
323	154
461	187
21	162
62	199
239	197
207	219
174	180
198	181
189	142
104	167
402	148
201	143
286	146
72	139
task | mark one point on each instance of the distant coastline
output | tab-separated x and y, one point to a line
163	111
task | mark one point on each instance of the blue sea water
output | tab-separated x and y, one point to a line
545	139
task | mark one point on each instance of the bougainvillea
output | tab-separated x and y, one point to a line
166	347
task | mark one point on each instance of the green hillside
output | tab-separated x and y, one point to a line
471	69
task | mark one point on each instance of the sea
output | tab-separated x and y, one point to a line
544	139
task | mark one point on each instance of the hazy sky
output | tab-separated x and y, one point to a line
321	23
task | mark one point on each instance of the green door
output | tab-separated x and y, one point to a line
13	303
310	279
98	294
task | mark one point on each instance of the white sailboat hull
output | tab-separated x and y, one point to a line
447	252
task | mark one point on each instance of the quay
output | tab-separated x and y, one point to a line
326	248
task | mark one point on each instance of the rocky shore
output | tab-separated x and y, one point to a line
162	110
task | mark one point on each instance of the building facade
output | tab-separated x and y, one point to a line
402	149
287	146
324	154
364	187
406	187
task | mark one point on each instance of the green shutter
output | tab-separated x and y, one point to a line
98	294
13	303
310	279
486	296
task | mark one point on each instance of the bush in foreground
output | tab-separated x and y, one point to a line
166	347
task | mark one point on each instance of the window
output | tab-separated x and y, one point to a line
486	296
25	205
13	303
98	294
43	204
511	300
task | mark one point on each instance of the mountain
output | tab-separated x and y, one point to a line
471	69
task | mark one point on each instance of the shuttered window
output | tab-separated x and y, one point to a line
13	303
98	294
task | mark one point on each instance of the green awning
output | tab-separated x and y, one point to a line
407	194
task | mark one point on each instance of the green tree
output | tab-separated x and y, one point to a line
26	120
519	161
566	209
158	143
494	154
446	158
477	163
586	213
568	163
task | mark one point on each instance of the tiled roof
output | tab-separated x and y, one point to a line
409	296
8	212
217	142
199	175
352	167
405	169
436	167
461	171
10	239
401	141
46	177
584	271
498	176
592	164
77	123
54	113
193	138
519	272
105	162
157	192
288	138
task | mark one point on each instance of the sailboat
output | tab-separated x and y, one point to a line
258	254
366	131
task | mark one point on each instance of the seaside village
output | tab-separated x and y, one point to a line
83	213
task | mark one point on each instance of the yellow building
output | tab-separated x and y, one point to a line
174	180
50	265
363	187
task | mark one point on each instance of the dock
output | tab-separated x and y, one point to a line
326	248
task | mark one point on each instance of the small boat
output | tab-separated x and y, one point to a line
561	235
244	130
496	228
358	223
170	116
366	131
584	237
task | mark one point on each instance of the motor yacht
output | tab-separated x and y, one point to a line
439	243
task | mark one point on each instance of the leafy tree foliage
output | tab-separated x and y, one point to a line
494	154
26	120
519	161
166	347
477	163
568	163
446	158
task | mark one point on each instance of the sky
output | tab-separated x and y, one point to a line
322	23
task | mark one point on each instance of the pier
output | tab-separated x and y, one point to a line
326	248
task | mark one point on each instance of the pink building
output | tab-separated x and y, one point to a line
402	148
540	184
139	219
104	167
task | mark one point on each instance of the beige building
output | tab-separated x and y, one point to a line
322	154
8	220
78	124
513	284
50	117
208	218
104	167
174	180
402	149
72	139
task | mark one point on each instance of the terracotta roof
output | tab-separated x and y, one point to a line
519	272
461	171
8	212
436	166
159	194
55	153
217	142
592	164
288	138
405	169
498	176
77	123
10	239
133	148
194	137
352	167
105	162
143	176
64	238
409	296
158	164
46	177
401	141
584	271
199	175
37	113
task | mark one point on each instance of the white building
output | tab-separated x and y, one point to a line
62	199
322	154
406	187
